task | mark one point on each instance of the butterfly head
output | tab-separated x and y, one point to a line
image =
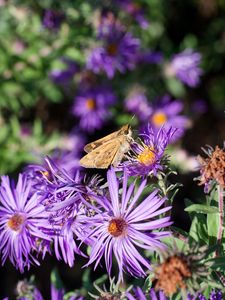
126	130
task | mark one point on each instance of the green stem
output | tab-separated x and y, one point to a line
221	217
220	229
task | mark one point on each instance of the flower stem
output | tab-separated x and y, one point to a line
220	229
221	217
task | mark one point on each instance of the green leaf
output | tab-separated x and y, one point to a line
55	279
198	230
213	226
175	87
218	263
148	282
202	209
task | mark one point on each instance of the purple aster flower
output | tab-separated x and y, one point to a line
148	154
119	51
150	57
91	107
185	66
167	114
137	104
52	19
135	10
22	221
216	295
65	237
138	294
158	295
65	76
61	196
121	225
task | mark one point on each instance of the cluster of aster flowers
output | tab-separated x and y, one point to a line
51	209
122	222
117	51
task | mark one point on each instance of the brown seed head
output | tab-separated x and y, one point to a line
171	275
213	167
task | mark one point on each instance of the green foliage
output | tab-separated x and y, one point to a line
18	148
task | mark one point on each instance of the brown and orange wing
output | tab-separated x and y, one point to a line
101	157
93	145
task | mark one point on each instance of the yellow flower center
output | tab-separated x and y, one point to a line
16	222
90	104
159	118
112	49
45	173
147	156
117	227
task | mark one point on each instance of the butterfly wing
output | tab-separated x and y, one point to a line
93	145
101	157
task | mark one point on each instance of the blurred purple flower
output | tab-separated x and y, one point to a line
157	295
18	46
52	19
25	131
199	106
147	155
31	292
137	104
22	221
67	160
68	155
92	106
65	76
135	10
185	66
121	224
59	294
215	295
119	51
167	114
150	57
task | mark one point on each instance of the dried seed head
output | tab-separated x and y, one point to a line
183	271
213	167
171	274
